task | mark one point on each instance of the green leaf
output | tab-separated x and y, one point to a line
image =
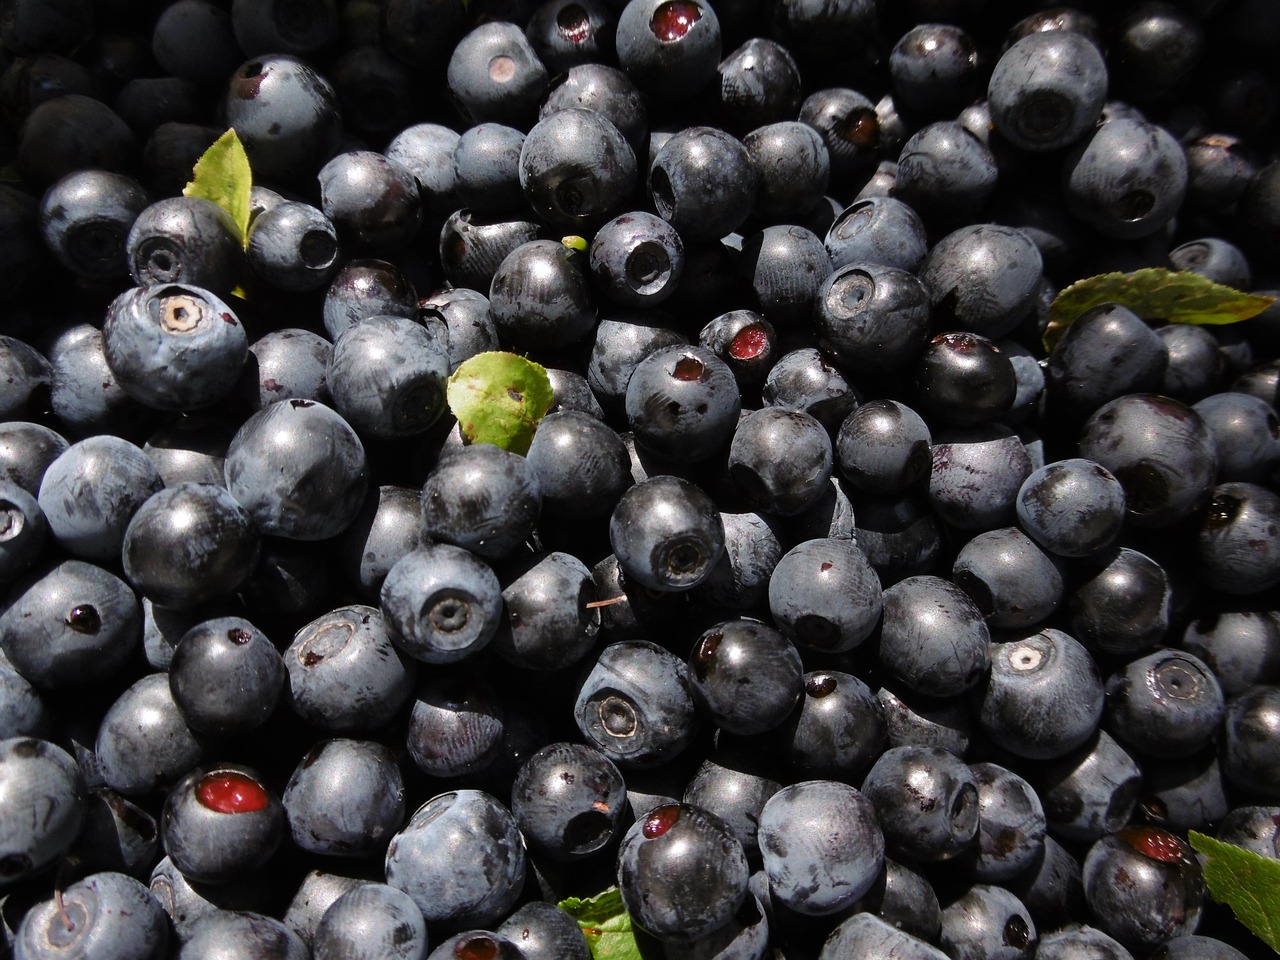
1154	293
499	398
575	242
222	175
606	925
1247	883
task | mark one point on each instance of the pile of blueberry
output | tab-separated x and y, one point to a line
829	615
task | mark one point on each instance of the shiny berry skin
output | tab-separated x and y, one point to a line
666	534
682	872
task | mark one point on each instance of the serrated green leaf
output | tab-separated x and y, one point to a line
1154	293
1247	883
499	398
606	925
222	175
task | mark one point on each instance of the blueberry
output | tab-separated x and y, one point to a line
482	498
1246	435
1072	508
249	935
581	465
1144	886
143	742
387	376
371	200
1234	547
702	181
344	672
759	83
1107	353
666	533
1044	695
1167	704
567	33
549	622
926	801
880	230
70	625
23	529
495	76
299	469
682	403
746	341
783	267
792	168
188	544
636	704
92	490
825	595
915	720
983	278
539	299
670	48
26	450
460	858
442	603
837	730
293	246
1013	582
226	676
1248	752
1011	824
986	921
872	317
1082	941
964	378
286	114
371	917
102	914
605	89
740	579
820	877
1091	791
1161	452
867	935
849	127
1242	647
364	288
780	460
569	800
945	172
637	258
746	676
682	872
1126	180
85	220
345	798
1047	89
1122	603
577	170
37	774
455	724
174	346
220	823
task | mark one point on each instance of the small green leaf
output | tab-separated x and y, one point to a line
1154	293
222	175
575	242
499	398
606	925
1247	883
